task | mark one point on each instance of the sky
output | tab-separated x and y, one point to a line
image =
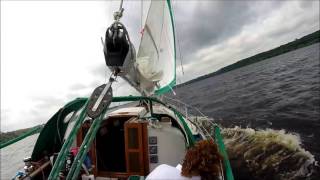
51	51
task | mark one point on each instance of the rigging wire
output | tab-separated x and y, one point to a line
141	16
180	54
118	14
162	24
121	3
178	40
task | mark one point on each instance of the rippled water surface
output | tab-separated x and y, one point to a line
282	92
12	156
279	93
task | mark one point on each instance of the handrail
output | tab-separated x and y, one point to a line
186	105
223	151
189	134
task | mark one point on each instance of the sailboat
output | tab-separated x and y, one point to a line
90	138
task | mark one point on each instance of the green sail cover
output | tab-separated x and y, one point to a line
50	139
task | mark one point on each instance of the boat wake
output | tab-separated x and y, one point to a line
268	154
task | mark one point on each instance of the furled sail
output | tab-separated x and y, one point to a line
156	56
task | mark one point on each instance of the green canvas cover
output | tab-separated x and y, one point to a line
49	140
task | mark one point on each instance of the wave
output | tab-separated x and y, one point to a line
268	154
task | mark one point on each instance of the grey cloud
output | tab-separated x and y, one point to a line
40	116
100	70
211	22
40	113
76	87
4	117
309	17
307	3
72	96
95	83
48	101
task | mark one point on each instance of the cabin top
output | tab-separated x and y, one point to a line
128	111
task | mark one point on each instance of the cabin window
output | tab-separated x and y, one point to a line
133	139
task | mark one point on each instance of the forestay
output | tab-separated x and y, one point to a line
156	55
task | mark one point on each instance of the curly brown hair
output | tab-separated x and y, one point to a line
203	159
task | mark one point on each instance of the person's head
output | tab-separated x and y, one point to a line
202	160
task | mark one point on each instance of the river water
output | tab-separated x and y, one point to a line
12	156
280	93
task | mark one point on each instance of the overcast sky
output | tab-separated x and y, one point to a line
51	51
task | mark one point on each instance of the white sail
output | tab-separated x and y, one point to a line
156	55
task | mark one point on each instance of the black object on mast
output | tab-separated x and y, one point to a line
118	50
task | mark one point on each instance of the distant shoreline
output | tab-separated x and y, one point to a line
7	136
296	44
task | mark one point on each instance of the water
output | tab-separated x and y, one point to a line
268	154
281	93
12	156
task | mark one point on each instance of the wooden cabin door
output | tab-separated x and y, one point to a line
136	148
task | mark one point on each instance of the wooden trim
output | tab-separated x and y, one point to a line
142	146
126	145
79	137
145	147
122	116
133	150
113	174
129	125
93	156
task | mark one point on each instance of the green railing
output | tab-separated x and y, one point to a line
224	153
50	139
